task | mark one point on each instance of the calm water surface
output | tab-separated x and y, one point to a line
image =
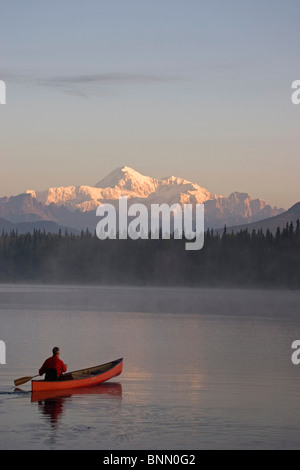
203	368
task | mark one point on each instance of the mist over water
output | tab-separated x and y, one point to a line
203	368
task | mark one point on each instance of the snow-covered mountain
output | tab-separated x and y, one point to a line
75	205
124	181
237	209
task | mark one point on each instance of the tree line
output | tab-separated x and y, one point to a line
242	259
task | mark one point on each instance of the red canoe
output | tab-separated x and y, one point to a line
81	378
112	389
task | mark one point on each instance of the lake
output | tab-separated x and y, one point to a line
203	368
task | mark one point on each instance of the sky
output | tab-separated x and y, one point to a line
191	88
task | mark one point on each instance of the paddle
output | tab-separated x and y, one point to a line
23	380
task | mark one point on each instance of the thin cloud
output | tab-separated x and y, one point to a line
108	78
84	85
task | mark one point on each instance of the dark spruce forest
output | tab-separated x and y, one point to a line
256	258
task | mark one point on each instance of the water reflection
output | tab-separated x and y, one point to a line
51	404
52	408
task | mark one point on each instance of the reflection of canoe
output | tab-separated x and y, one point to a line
81	378
113	389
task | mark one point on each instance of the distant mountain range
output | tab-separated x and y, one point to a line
272	223
75	206
29	227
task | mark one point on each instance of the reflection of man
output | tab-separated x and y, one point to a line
52	408
53	367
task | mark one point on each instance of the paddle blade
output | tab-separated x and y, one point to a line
23	380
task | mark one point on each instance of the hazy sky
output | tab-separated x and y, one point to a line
191	88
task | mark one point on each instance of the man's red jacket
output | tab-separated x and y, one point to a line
53	362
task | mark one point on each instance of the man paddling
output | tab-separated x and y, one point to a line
53	367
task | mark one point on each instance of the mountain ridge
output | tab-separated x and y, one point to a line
29	227
123	181
76	205
272	223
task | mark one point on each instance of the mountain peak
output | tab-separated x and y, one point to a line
237	195
114	177
295	209
126	179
